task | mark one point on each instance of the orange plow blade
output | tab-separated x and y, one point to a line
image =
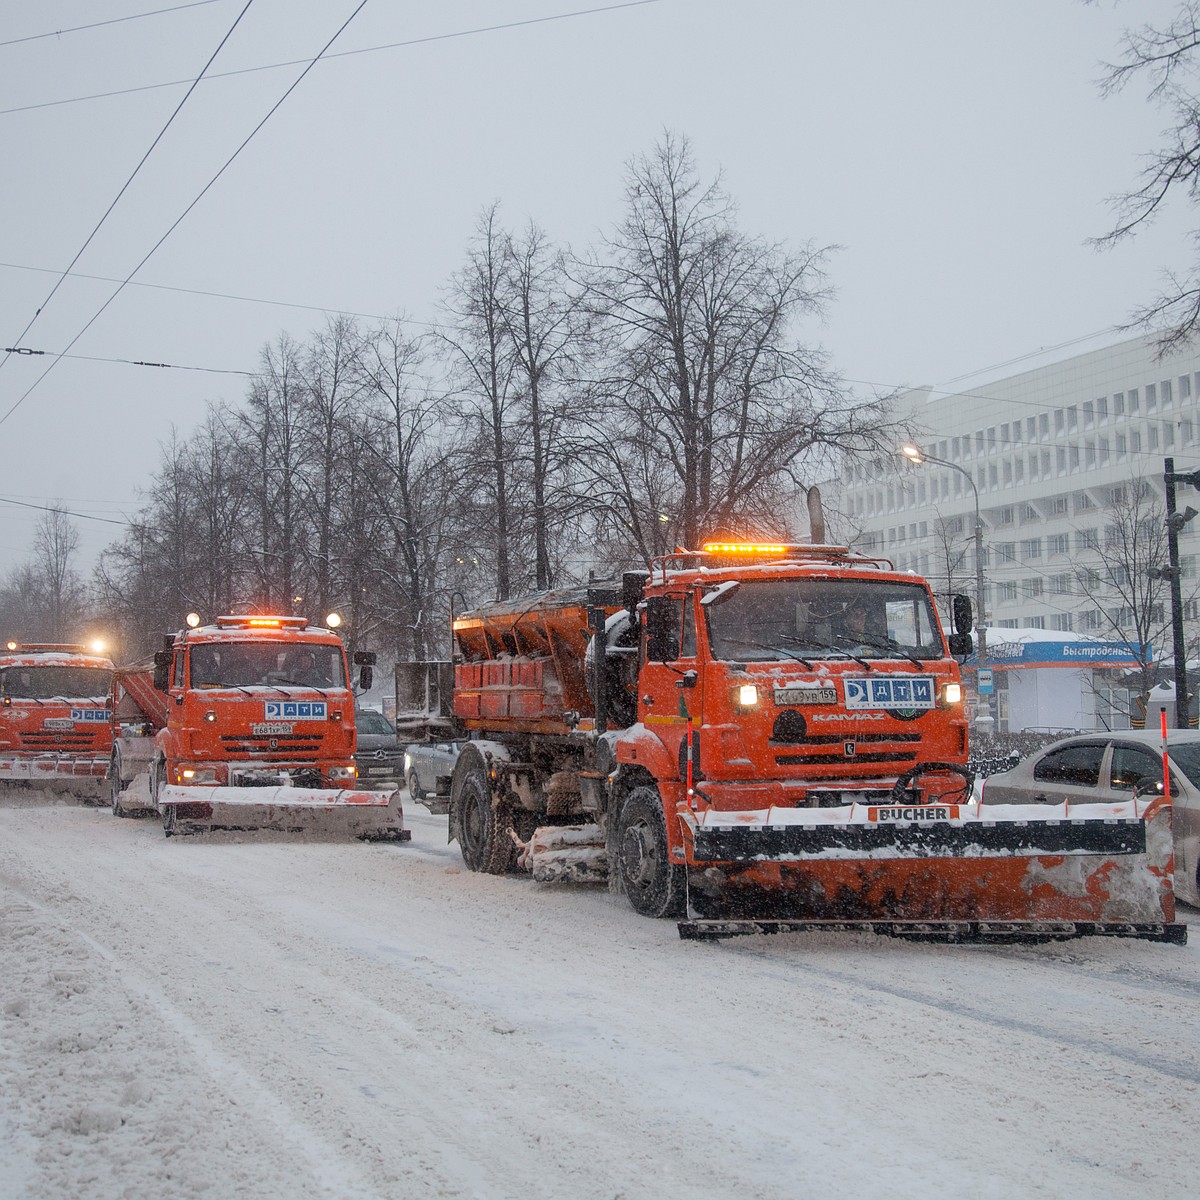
934	872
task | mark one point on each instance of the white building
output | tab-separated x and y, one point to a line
1054	454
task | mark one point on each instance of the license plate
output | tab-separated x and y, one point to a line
270	728
921	813
379	770
58	723
806	695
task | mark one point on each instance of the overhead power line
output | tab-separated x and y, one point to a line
55	33
125	186
435	37
26	351
178	220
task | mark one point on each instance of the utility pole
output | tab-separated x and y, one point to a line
1175	522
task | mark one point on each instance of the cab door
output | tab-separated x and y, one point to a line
670	686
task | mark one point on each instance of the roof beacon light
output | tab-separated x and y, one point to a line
748	548
97	646
13	645
193	620
333	620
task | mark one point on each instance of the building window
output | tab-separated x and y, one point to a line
1062	585
1103	451
1044	426
1087	539
1164	392
1059	543
1061	622
1006	551
1030	428
1004	516
1151	397
1059	506
1031	548
1121	451
1133	400
1059	421
1102	408
1088	414
1118	404
1031	589
1185	386
1060	461
1006	590
1073	418
1135	441
1035	622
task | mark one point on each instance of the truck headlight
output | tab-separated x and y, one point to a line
745	695
952	693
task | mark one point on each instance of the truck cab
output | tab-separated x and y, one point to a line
54	718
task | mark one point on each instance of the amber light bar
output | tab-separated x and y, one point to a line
749	547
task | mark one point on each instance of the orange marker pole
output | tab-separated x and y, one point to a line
1166	768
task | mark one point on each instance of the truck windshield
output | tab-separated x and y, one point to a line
778	619
55	683
267	664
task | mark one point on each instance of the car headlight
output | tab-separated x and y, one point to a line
745	695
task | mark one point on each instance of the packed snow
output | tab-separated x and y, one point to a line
238	1015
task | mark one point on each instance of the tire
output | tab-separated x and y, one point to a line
114	783
414	786
656	886
483	827
158	771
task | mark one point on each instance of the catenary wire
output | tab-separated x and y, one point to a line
133	175
436	37
57	33
203	191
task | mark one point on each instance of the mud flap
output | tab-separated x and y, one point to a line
958	872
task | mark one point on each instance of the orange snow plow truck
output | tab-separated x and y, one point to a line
54	720
247	723
765	738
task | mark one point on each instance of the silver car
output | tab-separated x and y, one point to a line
427	762
1101	768
379	756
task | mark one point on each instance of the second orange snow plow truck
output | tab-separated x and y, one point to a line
54	720
769	738
247	723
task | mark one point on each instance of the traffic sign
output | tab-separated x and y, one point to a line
984	681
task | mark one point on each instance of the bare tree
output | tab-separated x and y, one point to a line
710	404
1124	598
481	354
1164	58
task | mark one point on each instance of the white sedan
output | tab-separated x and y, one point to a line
1097	768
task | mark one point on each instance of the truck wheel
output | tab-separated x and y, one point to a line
656	886
414	787
114	783
158	773
483	829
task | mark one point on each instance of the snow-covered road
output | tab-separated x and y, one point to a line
279	1019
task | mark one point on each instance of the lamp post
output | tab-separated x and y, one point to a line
984	722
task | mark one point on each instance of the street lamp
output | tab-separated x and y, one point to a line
984	723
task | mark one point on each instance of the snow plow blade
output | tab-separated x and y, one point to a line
376	816
949	872
82	777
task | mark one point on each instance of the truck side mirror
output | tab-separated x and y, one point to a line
162	667
662	629
964	620
961	644
364	660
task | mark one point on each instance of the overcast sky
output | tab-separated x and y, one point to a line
957	151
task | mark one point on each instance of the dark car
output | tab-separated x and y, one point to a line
427	762
380	756
1104	768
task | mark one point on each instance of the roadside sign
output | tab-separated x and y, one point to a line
984	681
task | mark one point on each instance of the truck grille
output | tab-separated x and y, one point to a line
63	739
272	748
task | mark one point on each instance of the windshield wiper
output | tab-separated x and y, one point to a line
887	645
768	646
